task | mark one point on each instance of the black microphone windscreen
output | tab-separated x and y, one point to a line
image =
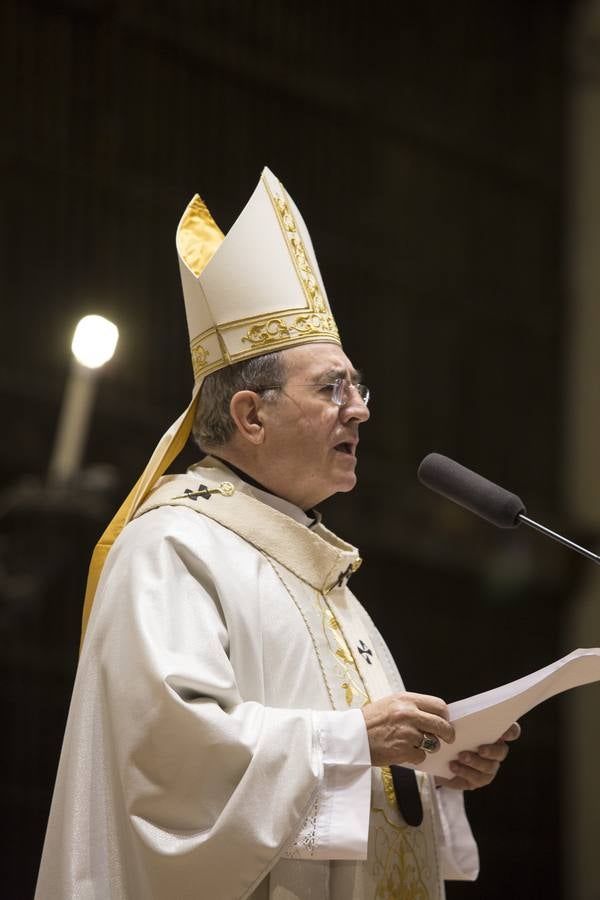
483	497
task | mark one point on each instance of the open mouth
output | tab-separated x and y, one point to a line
345	447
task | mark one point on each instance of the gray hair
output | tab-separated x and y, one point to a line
213	426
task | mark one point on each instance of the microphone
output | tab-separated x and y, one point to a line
484	498
470	490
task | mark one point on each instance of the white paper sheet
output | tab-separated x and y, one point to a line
484	718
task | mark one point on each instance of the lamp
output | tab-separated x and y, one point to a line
93	345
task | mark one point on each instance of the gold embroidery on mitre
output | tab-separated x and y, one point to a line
294	242
199	356
205	360
318	321
276	330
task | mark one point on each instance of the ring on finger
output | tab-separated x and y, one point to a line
429	743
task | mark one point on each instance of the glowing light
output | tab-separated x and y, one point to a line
94	341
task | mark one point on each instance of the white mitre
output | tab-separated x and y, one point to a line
256	290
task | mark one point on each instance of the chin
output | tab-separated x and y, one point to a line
346	484
342	487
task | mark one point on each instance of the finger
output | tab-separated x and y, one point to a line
427	723
513	733
473	778
456	783
479	763
411	722
427	703
491	750
497	751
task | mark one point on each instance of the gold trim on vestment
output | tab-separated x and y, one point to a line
340	651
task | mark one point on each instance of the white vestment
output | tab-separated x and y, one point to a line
223	655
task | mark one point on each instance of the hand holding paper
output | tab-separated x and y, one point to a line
484	718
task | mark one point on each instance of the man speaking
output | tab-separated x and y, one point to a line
235	712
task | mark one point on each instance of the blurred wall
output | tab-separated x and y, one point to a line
582	421
424	144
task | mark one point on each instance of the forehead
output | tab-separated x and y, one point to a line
311	361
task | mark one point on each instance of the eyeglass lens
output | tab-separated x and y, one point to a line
341	391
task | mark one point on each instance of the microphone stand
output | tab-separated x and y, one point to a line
558	537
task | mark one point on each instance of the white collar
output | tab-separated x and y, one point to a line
272	500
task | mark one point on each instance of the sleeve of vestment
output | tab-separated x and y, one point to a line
337	825
458	849
209	787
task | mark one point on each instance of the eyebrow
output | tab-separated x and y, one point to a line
356	375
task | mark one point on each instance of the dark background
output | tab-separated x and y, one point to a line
424	144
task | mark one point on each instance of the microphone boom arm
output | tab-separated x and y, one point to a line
558	537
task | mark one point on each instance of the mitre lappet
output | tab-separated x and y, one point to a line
255	290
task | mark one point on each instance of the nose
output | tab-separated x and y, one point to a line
354	408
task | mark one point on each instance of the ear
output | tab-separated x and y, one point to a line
245	410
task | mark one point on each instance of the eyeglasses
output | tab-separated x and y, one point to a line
338	391
341	390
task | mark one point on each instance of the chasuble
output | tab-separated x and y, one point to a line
215	746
